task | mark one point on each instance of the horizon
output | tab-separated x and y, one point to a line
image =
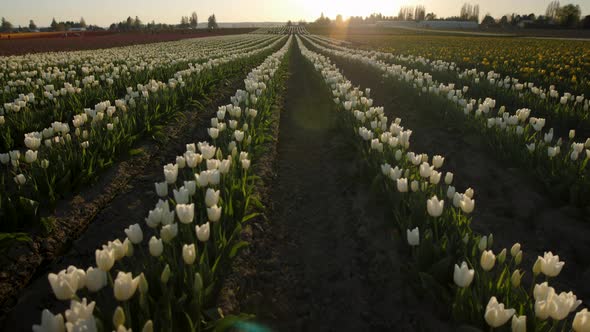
102	15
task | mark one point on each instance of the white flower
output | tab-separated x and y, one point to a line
463	276
161	189
214	213
495	314
203	232
413	236
125	286
402	185
488	260
171	173
185	212
518	323
50	323
169	232
434	206
550	264
189	254
211	197
134	233
96	279
105	259
582	321
156	246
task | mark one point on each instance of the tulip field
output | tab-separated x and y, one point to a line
281	180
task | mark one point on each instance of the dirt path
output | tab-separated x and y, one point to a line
508	202
327	261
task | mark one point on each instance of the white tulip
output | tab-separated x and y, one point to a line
495	314
189	254
488	260
413	237
203	232
50	323
134	233
125	286
463	276
434	206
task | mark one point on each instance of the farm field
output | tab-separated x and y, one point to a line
53	42
281	180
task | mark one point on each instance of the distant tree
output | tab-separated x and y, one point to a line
488	20
194	22
586	22
420	13
339	19
504	20
569	15
406	13
552	10
129	23
32	25
289	23
430	17
82	22
53	24
469	12
6	25
212	22
137	23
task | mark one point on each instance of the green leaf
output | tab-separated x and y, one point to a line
236	247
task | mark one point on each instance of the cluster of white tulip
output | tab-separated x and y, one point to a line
201	183
385	143
500	123
92	129
88	69
282	30
502	82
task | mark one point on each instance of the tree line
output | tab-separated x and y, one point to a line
568	16
130	24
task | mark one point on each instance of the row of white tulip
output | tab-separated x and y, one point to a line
52	68
198	227
47	98
283	30
536	146
502	82
76	155
429	223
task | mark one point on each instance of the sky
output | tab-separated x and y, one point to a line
105	12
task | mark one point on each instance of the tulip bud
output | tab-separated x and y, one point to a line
572	133
96	279
518	258
118	317
515	249
165	276
162	189
415	186
537	267
198	284
515	279
134	233
448	178
148	327
143	284
502	256
490	240
483	243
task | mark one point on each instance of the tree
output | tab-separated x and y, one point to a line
212	22
504	20
430	17
32	25
6	25
194	22
569	15
420	13
53	24
552	10
586	22
339	19
82	22
137	23
488	20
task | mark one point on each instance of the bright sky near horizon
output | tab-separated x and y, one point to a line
104	12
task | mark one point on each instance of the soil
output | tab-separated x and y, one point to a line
92	41
132	195
509	202
326	260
